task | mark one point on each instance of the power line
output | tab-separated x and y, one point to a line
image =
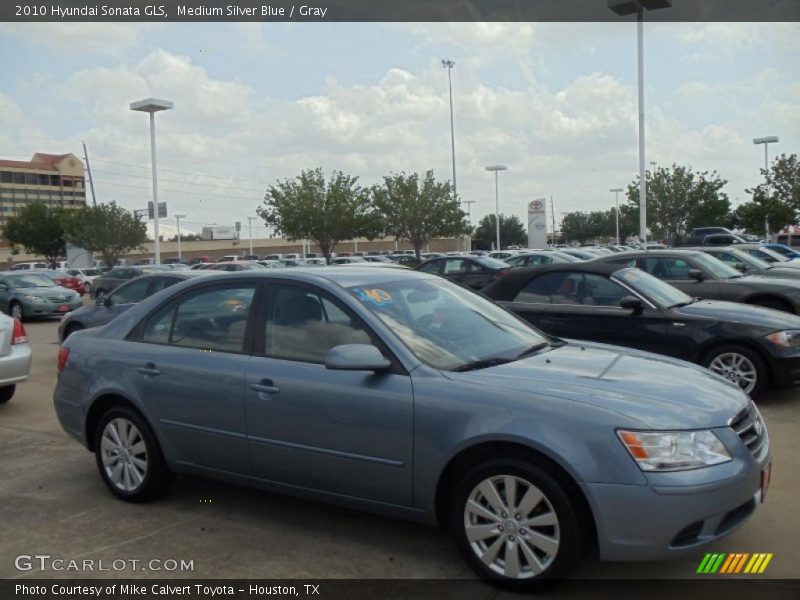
180	181
196	194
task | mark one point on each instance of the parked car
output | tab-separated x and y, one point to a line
406	260
703	276
121	299
722	239
15	356
581	253
698	234
202	259
250	257
770	256
377	258
27	295
750	265
29	266
347	260
109	280
229	258
751	346
87	276
273	257
473	272
527	448
535	259
783	250
65	280
238	265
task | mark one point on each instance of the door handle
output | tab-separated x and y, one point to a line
265	386
149	369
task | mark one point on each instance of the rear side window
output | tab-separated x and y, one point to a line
213	318
667	268
431	267
457	265
130	293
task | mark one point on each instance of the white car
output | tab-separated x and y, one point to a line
15	356
229	258
29	266
87	276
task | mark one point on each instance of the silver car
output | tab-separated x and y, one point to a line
399	392
15	356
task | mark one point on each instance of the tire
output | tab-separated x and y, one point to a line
739	365
100	294
6	393
87	287
773	304
544	552
144	457
15	311
72	329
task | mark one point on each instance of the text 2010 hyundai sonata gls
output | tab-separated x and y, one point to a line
402	393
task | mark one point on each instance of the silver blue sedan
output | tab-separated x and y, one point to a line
402	393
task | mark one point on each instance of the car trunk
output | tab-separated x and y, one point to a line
6	334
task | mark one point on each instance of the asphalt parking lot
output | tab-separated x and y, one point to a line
52	501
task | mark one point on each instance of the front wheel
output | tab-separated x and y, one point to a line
739	365
515	524
6	393
16	312
129	458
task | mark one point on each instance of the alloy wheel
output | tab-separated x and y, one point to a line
16	311
124	454
736	368
511	526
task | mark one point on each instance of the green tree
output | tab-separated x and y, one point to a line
679	199
187	237
751	216
106	229
784	181
326	212
512	232
417	210
40	230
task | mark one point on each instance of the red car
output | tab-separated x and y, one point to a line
66	280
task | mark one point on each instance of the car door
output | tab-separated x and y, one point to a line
188	361
120	300
343	432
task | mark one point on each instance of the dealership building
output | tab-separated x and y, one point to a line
52	179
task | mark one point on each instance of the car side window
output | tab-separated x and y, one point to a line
159	283
130	293
600	291
538	260
455	265
667	268
431	267
542	289
303	325
213	318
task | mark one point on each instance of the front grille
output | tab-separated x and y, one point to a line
750	428
57	299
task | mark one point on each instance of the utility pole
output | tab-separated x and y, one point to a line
449	64
553	219
89	171
178	220
469	204
250	227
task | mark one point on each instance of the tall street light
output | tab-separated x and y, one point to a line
629	7
449	64
250	227
771	139
178	219
497	169
152	106
616	192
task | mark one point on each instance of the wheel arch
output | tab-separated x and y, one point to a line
99	406
755	298
494	449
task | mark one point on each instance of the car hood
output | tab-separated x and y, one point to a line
659	392
788	285
779	272
746	314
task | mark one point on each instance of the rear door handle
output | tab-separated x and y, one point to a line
149	369
265	386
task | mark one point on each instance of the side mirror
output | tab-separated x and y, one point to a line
696	274
356	357
101	301
631	303
741	267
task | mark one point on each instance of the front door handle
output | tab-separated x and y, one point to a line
149	369
265	386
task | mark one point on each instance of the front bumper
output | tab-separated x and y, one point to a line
676	513
15	367
49	309
784	365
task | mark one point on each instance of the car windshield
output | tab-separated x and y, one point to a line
29	281
447	327
491	263
716	267
663	294
749	259
773	254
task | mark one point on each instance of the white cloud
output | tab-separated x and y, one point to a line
110	38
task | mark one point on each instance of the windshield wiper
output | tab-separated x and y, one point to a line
687	303
535	349
482	364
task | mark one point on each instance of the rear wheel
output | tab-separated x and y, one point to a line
15	310
100	294
515	524
72	329
739	365
128	456
6	393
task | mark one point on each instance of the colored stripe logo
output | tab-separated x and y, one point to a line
734	563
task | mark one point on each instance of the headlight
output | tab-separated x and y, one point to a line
786	339
36	299
674	450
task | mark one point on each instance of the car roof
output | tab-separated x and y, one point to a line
516	278
655	252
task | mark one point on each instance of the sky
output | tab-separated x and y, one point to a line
257	102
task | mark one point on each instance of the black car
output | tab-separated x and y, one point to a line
699	234
703	276
121	299
751	265
750	346
405	260
237	265
111	279
538	259
473	272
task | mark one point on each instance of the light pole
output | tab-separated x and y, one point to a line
178	219
449	64
616	193
469	204
496	169
152	106
772	139
250	228
629	7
